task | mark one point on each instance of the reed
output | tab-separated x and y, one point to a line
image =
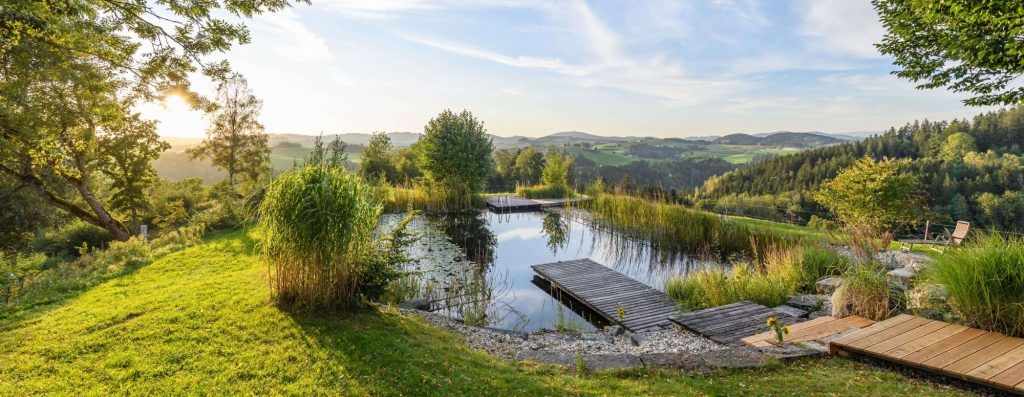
676	227
426	197
545	191
317	225
770	280
985	282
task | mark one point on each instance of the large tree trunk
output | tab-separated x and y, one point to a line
106	221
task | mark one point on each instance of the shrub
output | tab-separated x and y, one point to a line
123	254
67	241
864	292
820	262
985	282
177	239
819	223
318	228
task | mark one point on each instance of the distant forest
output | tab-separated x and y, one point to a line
969	170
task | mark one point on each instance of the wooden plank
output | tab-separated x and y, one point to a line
842	325
794	331
942	346
887	333
925	341
906	337
983	356
955	354
998	365
1010	377
877	327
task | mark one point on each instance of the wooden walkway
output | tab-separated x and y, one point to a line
730	323
815	329
984	357
513	203
604	291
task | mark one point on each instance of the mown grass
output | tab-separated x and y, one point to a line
201	322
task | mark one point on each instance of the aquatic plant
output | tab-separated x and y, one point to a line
427	197
545	191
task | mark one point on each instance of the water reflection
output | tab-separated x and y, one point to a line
479	270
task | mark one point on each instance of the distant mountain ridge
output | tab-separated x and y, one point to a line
784	139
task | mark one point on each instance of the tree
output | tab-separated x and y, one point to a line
127	162
404	160
72	70
873	194
375	161
963	45
556	169
529	166
957	146
235	140
455	152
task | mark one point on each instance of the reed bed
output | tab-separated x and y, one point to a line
985	282
318	225
768	280
676	227
545	191
427	198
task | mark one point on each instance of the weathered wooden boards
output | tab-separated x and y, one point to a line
980	356
730	323
605	291
817	328
513	203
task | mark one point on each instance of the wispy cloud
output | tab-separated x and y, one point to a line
843	27
292	39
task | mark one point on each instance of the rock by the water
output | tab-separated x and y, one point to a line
828	285
808	302
790	311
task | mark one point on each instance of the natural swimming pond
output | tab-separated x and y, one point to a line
476	265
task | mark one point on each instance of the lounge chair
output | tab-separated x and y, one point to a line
955	239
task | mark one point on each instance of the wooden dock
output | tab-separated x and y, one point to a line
514	203
815	329
605	291
730	323
988	358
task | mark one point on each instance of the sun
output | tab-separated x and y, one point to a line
176	103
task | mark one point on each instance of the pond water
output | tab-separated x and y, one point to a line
476	265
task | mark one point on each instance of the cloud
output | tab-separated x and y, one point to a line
843	27
745	9
291	39
519	61
376	9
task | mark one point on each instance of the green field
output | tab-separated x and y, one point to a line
202	322
615	153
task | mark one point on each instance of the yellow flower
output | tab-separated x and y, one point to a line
785	330
771	321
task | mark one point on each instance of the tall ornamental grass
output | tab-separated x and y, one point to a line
676	227
318	226
985	282
864	292
769	281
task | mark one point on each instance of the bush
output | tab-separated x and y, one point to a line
177	239
544	191
820	262
68	241
318	227
819	223
985	282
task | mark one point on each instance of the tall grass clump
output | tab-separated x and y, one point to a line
427	197
318	226
820	262
769	281
864	292
676	227
545	191
985	282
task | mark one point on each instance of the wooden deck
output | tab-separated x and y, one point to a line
730	323
604	291
817	328
984	357
514	203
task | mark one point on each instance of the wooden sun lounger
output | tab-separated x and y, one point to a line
956	238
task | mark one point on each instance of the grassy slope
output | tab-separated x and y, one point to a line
201	322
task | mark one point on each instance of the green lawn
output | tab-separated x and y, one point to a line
201	322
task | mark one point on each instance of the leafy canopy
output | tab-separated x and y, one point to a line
964	45
455	152
873	194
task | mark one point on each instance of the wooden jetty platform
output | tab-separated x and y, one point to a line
984	357
514	203
604	291
729	323
809	330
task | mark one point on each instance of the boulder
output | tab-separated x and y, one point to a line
808	302
828	285
903	277
790	311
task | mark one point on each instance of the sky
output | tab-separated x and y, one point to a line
665	68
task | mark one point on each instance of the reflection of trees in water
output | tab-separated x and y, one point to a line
469	231
557	231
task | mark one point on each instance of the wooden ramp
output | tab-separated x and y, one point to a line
984	357
604	291
815	329
730	323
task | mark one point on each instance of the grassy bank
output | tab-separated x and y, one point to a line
201	321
